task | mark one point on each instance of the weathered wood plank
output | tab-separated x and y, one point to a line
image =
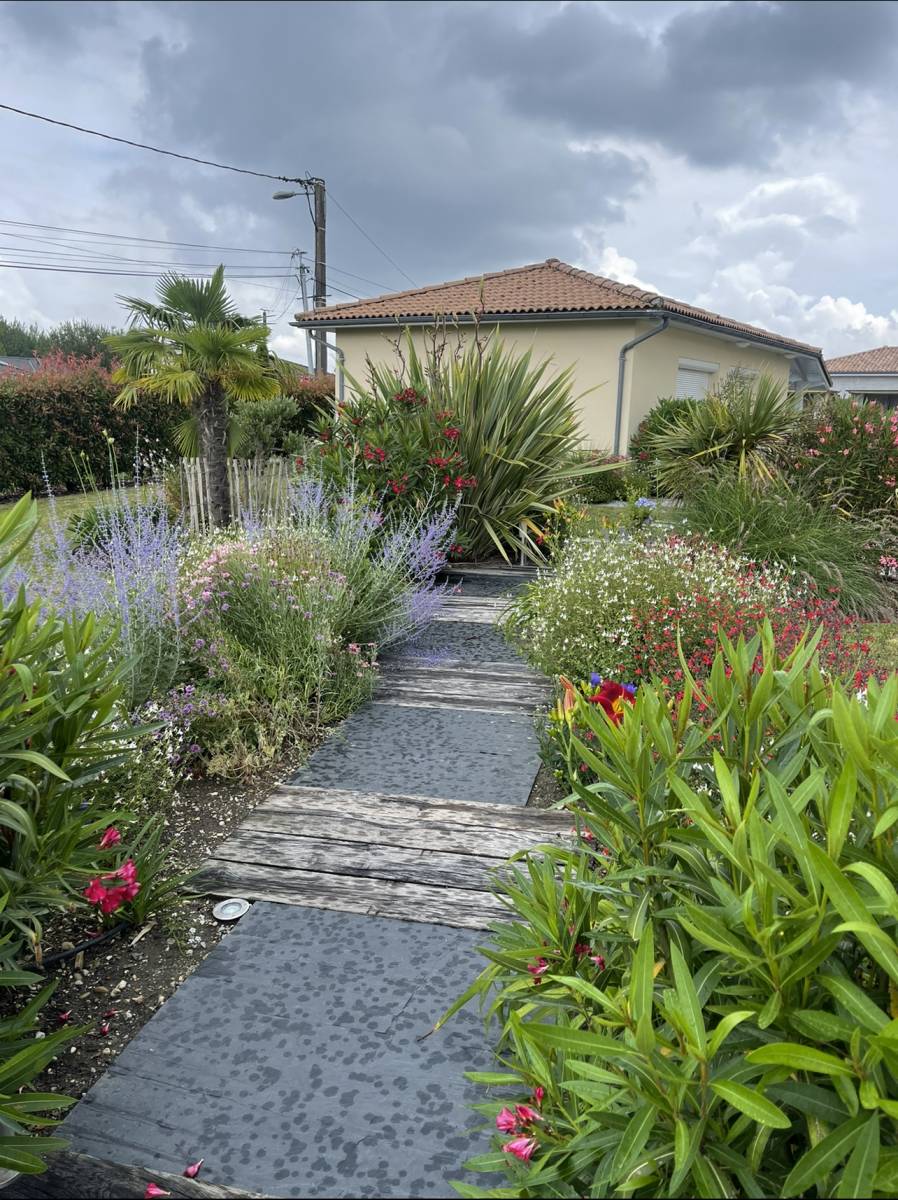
323	823
458	907
367	860
73	1176
293	797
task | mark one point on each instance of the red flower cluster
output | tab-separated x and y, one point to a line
410	396
374	454
398	486
452	433
460	482
111	898
520	1124
842	648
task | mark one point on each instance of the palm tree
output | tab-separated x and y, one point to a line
192	347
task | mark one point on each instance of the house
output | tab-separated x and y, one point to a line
869	375
628	346
12	364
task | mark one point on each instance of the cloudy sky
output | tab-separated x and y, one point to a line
735	155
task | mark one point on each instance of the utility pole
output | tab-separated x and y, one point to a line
316	187
303	272
320	267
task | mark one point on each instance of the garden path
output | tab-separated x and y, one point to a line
293	1060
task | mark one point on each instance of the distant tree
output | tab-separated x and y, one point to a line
192	347
84	339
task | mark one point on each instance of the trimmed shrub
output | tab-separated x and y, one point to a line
667	410
54	424
604	486
280	425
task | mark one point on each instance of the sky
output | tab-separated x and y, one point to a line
739	156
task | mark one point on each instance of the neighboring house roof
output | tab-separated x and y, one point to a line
550	287
13	362
881	361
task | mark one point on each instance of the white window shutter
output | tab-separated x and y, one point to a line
692	383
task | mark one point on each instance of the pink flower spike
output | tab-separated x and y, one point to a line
193	1170
521	1148
526	1113
153	1191
111	837
506	1121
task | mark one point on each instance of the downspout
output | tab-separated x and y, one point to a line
621	366
321	338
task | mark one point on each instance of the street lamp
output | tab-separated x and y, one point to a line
320	219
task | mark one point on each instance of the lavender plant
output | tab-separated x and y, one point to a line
124	568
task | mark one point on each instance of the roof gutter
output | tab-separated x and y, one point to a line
621	368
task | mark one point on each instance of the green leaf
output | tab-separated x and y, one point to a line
633	1141
798	1058
860	1170
841	808
689	1003
642	976
752	1103
855	1002
820	1159
852	908
810	1099
725	1028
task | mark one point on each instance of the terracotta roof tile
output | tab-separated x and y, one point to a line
881	361
546	287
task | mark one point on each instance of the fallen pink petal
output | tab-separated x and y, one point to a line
154	1191
193	1169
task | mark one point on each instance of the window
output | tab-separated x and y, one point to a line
692	382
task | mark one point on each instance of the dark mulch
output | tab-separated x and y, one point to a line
546	789
122	982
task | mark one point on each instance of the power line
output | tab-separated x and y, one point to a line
122	237
19	266
367	235
125	237
203	162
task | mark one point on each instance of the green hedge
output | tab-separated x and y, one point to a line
59	413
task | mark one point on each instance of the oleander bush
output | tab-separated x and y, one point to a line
667	410
845	453
618	604
775	522
61	727
696	996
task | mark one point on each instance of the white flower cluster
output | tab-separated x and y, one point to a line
579	617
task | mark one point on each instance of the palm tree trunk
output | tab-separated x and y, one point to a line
212	421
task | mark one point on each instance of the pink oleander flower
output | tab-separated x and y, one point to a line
191	1171
111	837
526	1113
598	960
538	968
521	1147
94	892
539	1094
154	1191
506	1121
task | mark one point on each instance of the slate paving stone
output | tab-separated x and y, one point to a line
472	640
452	753
291	1062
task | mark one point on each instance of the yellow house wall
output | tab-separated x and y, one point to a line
652	366
592	348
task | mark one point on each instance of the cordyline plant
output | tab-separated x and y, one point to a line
699	997
517	434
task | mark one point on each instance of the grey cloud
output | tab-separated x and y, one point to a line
720	84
